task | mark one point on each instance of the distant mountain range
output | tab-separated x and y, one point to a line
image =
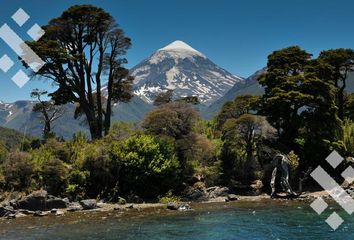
177	66
19	116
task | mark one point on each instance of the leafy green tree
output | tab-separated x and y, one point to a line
82	48
284	96
341	62
234	109
176	120
320	124
247	132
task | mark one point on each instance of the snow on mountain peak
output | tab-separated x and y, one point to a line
177	50
178	45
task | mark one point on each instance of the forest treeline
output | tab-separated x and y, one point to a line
305	112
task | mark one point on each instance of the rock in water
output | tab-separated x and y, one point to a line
88	204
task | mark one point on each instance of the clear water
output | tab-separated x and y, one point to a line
240	220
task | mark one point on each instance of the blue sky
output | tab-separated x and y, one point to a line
238	35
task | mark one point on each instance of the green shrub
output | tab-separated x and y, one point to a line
103	172
169	197
55	176
18	171
77	182
149	165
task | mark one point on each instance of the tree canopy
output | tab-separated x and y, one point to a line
83	52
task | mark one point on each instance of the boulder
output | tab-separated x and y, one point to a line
88	204
232	197
35	201
215	192
41	201
6	210
55	202
193	194
173	206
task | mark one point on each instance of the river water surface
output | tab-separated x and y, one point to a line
240	220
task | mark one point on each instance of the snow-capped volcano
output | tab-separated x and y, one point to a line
183	69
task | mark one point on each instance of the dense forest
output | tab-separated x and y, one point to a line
305	113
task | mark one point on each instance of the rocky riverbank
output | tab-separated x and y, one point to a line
40	203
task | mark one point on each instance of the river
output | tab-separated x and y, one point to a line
259	220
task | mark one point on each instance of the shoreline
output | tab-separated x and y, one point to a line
130	209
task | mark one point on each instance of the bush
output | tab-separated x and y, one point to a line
77	183
55	176
149	165
18	171
103	172
168	198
